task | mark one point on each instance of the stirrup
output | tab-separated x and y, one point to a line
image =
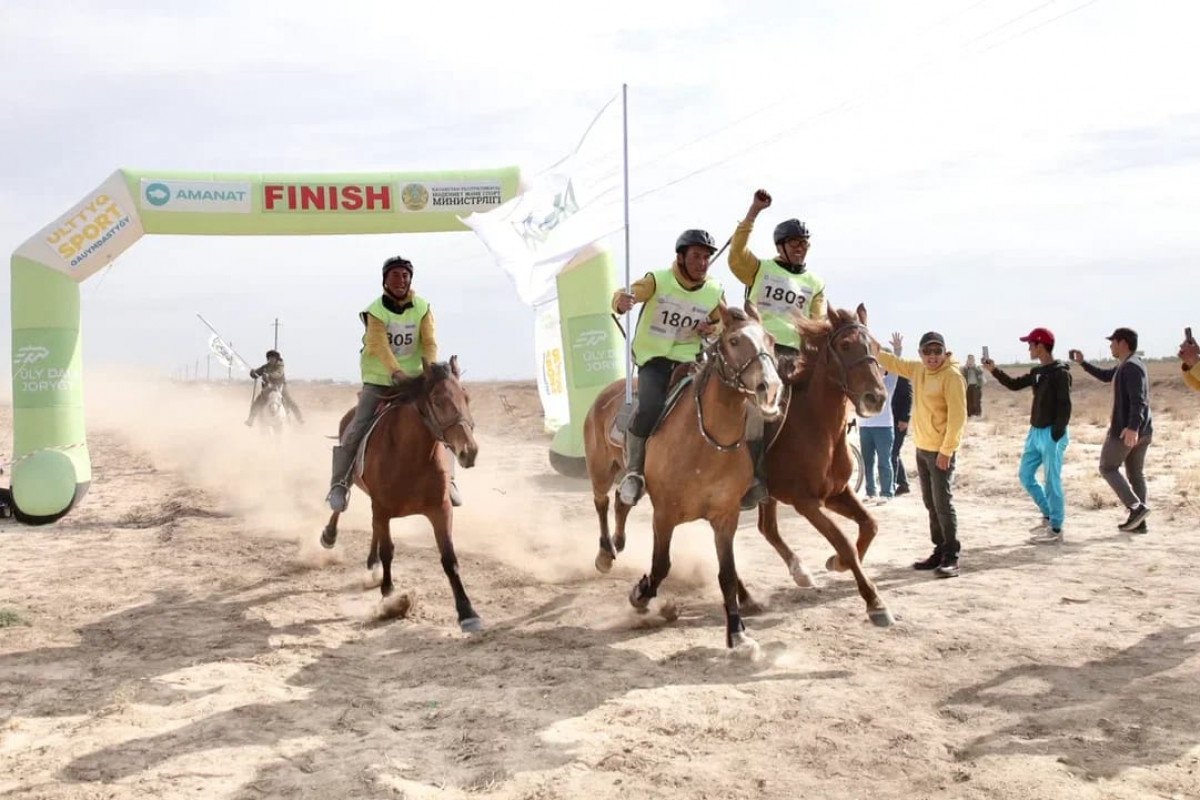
754	495
633	485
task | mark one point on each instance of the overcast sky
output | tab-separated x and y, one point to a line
975	167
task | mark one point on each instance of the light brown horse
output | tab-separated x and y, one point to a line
696	465
405	471
808	463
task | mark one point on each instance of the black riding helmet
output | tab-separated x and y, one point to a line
397	262
697	237
790	229
274	353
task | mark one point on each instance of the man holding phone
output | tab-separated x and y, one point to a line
1046	443
1130	429
1189	356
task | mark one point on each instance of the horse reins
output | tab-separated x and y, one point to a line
843	367
431	421
717	363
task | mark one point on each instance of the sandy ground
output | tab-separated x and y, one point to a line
181	634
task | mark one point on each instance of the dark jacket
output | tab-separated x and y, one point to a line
902	400
1131	395
1051	395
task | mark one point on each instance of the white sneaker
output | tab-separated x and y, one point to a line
1047	536
882	501
1041	527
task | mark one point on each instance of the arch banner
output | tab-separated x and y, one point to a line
51	469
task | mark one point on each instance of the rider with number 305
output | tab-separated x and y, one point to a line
399	335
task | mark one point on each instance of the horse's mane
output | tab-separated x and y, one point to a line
814	332
411	389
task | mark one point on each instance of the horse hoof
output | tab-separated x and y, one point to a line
395	606
328	537
373	579
471	625
619	543
881	617
669	611
604	561
745	648
640	604
801	575
834	564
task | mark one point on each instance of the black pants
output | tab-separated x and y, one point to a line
653	378
897	464
937	490
974	401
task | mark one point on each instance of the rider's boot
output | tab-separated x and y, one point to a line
758	490
339	485
634	482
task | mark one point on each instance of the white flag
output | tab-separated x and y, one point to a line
574	203
552	371
224	353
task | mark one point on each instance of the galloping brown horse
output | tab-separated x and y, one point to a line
405	471
696	467
808	464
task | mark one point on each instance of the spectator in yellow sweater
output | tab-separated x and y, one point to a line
1189	356
939	417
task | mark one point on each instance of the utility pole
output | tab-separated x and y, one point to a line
276	333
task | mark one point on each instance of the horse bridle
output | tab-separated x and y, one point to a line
718	363
425	407
843	368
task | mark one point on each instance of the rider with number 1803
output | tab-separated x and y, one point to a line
782	288
681	306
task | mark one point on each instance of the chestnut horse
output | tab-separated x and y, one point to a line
696	466
405	471
808	463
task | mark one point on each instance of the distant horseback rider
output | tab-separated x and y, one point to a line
399	335
681	306
273	377
782	289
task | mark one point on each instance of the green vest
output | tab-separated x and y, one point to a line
667	325
404	337
779	295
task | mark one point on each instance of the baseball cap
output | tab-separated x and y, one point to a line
932	337
1039	336
1127	335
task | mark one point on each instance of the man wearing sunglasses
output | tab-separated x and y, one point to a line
939	418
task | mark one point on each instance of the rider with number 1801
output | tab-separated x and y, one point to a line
681	306
399	335
782	288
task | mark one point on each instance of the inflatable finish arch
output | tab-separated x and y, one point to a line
51	468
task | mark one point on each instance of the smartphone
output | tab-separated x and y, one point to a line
986	357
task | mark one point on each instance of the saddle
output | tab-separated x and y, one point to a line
386	403
681	376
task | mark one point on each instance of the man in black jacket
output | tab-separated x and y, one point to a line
1047	442
1130	430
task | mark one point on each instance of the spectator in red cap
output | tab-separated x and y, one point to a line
1130	428
1046	443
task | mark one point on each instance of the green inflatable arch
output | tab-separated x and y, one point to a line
51	469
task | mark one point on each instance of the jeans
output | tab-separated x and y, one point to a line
938	493
876	443
1113	454
1042	451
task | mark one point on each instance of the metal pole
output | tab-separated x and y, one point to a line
629	313
276	333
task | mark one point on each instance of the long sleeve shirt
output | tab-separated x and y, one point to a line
1051	395
1192	377
744	265
644	287
902	400
939	402
1131	395
376	341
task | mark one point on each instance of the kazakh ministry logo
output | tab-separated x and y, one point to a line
414	196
